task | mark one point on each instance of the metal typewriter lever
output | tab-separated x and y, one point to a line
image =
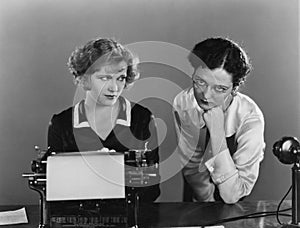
37	181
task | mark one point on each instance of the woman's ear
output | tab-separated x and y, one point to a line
234	90
83	81
229	98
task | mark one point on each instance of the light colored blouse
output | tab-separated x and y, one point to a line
234	170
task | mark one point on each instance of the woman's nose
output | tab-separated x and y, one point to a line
113	86
207	93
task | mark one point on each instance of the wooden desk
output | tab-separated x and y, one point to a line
188	214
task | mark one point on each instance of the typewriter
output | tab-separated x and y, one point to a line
89	209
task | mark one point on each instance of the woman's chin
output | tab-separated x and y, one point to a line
205	107
107	101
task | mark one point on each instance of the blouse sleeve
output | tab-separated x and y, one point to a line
190	156
235	175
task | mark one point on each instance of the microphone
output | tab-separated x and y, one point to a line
287	150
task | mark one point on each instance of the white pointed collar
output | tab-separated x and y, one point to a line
80	119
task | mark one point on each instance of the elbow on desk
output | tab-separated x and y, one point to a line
235	193
230	199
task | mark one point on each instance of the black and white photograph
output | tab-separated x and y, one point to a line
149	113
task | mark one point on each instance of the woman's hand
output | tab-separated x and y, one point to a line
104	149
214	120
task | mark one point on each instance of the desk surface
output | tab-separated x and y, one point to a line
189	214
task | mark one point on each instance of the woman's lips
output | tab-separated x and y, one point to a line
204	102
111	96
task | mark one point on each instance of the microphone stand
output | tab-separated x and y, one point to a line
295	197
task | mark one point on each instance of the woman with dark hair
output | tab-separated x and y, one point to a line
220	130
104	120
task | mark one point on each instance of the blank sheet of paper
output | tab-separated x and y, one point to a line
86	175
13	217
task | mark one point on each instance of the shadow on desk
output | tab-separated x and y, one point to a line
188	214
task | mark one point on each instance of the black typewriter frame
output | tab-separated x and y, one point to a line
122	212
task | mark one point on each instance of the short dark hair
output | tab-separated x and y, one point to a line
218	52
84	56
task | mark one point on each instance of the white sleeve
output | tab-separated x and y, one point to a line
190	157
236	175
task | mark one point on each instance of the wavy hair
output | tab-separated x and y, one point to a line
222	53
83	57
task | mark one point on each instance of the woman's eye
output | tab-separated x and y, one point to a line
221	89
103	78
199	82
122	78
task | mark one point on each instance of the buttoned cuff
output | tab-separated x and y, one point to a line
221	167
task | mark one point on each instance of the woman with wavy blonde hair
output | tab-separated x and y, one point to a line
104	120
